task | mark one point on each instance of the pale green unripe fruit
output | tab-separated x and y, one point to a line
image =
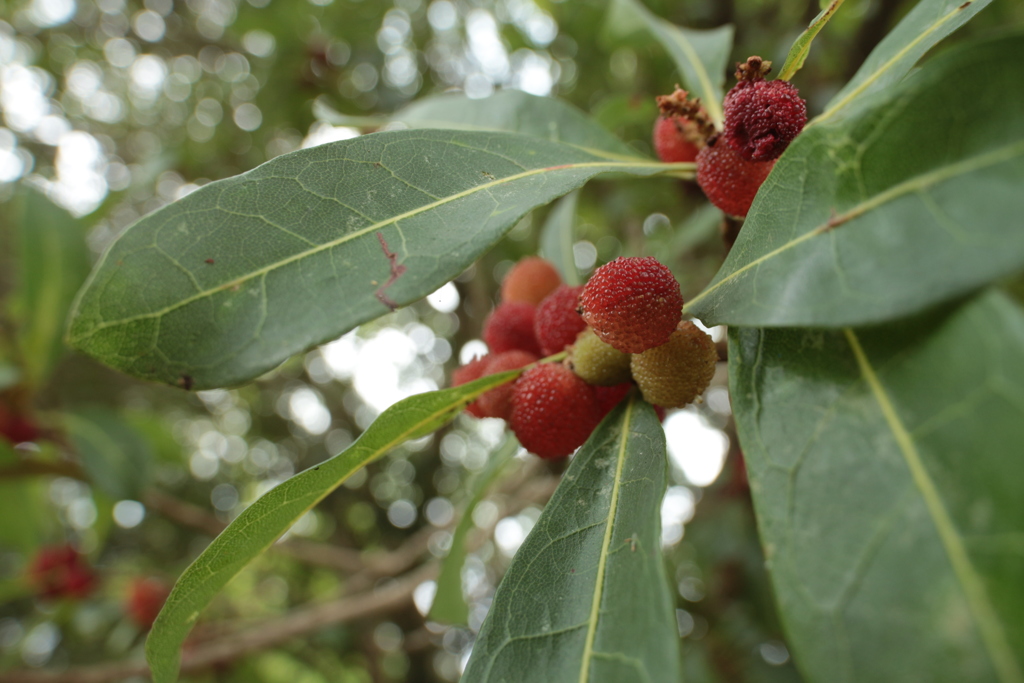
596	362
677	372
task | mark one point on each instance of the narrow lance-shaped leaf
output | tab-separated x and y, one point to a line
512	111
557	237
53	261
913	200
929	22
263	522
231	280
802	46
449	604
586	598
117	458
702	56
886	473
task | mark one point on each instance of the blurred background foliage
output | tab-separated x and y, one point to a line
113	108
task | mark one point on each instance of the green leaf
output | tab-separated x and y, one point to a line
802	46
53	261
557	237
511	111
929	22
449	604
263	522
586	597
24	506
117	458
231	280
702	56
914	200
886	473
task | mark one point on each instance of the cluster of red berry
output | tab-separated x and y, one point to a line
761	119
622	328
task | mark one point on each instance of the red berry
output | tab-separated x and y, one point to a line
465	374
497	401
17	427
530	280
762	118
609	397
553	411
672	143
60	572
633	304
510	326
558	320
730	181
146	597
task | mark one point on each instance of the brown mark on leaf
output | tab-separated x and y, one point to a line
186	382
377	164
487	175
965	5
210	261
396	271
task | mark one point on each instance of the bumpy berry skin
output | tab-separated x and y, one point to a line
530	280
510	326
677	372
60	572
597	362
473	370
671	142
497	401
730	181
762	118
145	599
633	304
558	321
553	411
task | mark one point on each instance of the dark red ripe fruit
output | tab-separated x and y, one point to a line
671	142
497	401
609	397
530	280
632	304
730	181
558	321
510	326
145	599
464	374
762	118
553	411
16	427
60	572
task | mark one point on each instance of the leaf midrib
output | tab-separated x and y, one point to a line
711	105
98	327
595	606
915	184
992	634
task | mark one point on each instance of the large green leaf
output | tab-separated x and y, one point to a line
886	472
231	280
558	236
914	200
702	56
116	457
512	111
263	522
586	596
929	22
449	604
53	261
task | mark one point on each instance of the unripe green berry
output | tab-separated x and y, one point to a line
677	372
598	363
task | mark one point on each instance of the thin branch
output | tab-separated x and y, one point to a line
254	638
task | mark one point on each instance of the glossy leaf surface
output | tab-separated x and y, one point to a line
231	280
586	597
914	200
702	56
886	472
924	26
263	522
512	111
